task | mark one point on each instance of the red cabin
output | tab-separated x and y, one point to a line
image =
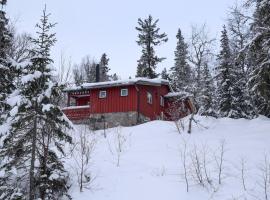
123	102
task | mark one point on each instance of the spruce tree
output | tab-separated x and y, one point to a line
208	93
3	2
104	68
31	147
6	70
225	79
165	75
85	71
181	72
259	48
239	37
148	38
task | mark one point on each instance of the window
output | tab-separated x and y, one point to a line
72	102
149	98
124	92
161	100
102	94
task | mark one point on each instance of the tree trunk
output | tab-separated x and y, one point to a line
44	159
32	166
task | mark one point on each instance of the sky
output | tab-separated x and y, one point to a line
93	27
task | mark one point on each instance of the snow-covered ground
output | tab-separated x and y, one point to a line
151	167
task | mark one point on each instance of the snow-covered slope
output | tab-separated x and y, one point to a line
151	168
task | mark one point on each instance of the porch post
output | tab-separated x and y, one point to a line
68	101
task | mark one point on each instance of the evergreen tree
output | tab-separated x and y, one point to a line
114	77
3	2
6	70
208	93
140	70
148	38
88	68
31	146
78	74
259	48
239	37
181	72
225	78
85	71
104	68
165	75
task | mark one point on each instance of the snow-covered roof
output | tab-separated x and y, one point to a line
177	94
140	81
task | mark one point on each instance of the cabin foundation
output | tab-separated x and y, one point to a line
109	120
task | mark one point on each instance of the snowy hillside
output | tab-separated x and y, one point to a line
151	165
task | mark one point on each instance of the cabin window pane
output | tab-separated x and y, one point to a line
72	102
149	98
124	92
102	94
161	100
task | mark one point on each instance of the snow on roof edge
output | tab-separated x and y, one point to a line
119	83
177	94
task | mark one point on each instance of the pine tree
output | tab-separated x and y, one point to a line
88	70
259	48
6	70
37	133
104	68
78	75
239	37
208	93
114	77
225	78
165	75
3	2
85	71
181	72
148	38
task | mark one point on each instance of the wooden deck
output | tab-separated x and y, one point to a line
77	112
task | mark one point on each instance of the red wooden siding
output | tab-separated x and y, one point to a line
136	101
77	114
83	101
113	102
176	109
151	110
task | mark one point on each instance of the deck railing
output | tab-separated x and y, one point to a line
77	112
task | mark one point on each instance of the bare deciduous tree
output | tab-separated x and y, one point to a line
184	163
197	166
264	183
118	148
220	160
64	70
85	71
21	45
201	53
243	173
82	155
205	152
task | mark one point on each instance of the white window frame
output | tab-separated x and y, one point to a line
162	101
102	94
149	98
122	94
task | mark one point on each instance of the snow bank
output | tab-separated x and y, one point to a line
151	167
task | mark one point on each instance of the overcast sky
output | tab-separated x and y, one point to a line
92	27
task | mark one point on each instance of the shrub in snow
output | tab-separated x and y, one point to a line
119	144
82	155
